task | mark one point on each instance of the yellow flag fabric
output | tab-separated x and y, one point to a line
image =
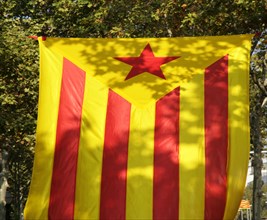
141	128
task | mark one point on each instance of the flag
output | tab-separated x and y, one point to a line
141	128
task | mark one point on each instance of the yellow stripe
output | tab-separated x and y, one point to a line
88	181
140	164
191	150
50	83
238	128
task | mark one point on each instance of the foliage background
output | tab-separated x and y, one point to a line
105	18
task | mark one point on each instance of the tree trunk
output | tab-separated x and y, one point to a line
257	160
3	184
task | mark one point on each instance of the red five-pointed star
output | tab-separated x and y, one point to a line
146	62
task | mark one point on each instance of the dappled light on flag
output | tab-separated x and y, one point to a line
141	128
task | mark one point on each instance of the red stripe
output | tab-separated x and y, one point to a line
115	155
216	138
62	194
166	169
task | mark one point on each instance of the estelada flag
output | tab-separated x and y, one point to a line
141	128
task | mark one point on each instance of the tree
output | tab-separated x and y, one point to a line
258	115
18	96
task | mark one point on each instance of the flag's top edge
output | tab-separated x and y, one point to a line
162	38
